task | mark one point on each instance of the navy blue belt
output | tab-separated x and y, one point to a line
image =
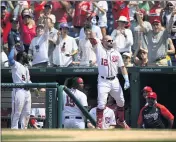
76	117
108	78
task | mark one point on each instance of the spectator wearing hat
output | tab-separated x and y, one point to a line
122	37
38	49
66	47
46	13
101	8
138	35
52	38
95	29
127	59
14	37
5	24
157	43
141	57
27	27
151	116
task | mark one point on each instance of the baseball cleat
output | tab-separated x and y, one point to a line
123	124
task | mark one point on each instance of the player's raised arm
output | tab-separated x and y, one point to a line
11	56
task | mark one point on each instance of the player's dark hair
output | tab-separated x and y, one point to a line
19	56
68	82
88	27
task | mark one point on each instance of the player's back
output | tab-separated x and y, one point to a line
20	73
108	117
70	108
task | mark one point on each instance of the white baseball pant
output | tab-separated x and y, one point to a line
21	108
72	122
111	87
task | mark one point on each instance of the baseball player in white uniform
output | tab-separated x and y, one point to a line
73	117
21	97
108	60
109	120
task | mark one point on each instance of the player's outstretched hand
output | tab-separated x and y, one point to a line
126	85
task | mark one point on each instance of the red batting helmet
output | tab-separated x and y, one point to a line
152	95
147	89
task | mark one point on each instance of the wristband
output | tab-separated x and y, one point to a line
126	77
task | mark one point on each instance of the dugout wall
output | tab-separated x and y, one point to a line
163	81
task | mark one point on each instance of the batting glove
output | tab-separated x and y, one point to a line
126	85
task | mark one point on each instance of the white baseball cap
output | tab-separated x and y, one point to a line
127	54
122	19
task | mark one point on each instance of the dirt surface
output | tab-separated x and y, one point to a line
87	135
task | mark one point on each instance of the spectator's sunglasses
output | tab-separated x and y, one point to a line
142	52
109	40
125	57
26	16
169	4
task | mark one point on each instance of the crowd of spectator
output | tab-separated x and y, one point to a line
56	33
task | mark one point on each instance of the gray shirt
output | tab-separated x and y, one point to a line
157	45
140	36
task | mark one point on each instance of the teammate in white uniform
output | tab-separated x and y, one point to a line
109	120
21	98
73	117
108	60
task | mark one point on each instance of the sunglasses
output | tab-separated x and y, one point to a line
27	16
143	53
81	83
125	57
109	40
155	24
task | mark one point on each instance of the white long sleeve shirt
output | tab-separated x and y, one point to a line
123	44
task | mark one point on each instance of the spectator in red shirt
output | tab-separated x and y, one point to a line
38	8
120	8
5	22
83	10
27	28
155	11
61	11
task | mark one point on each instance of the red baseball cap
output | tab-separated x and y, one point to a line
156	21
80	80
147	89
142	11
152	95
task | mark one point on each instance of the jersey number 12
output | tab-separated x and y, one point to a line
104	62
69	102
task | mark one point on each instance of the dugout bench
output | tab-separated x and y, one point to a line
6	106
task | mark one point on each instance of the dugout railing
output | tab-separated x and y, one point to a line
53	101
